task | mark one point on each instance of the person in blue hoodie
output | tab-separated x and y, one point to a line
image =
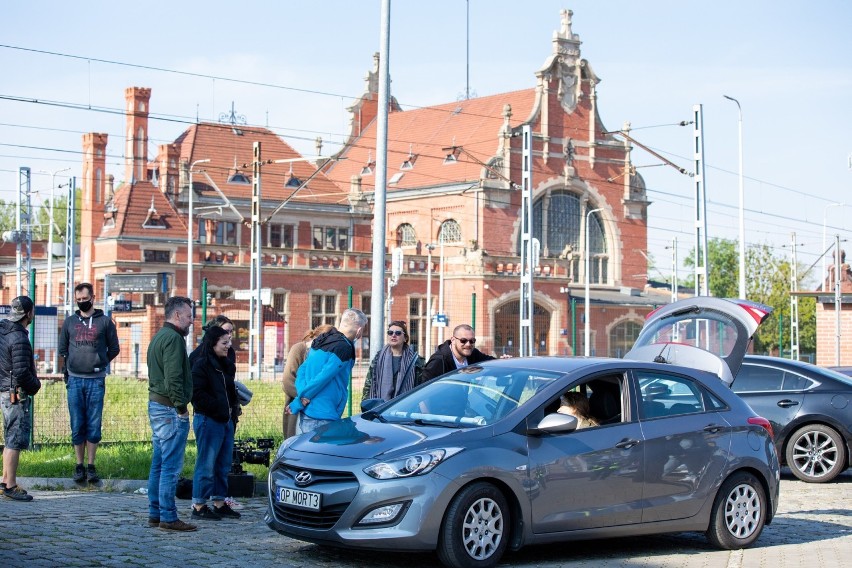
322	381
88	342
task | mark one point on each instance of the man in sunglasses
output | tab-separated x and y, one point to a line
456	352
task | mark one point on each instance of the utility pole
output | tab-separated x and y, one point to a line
24	228
702	287
255	306
527	253
794	302
70	235
377	300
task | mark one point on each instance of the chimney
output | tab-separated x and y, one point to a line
94	196
136	153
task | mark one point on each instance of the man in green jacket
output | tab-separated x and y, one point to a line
169	393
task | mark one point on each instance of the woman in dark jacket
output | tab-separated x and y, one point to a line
396	368
215	406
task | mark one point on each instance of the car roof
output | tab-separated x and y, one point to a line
801	366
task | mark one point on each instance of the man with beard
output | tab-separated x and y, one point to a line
169	393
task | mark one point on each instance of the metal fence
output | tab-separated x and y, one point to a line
125	413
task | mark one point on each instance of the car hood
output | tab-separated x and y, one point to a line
357	438
709	334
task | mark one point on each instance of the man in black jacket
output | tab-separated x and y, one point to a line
18	382
454	353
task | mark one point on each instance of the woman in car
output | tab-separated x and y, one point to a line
577	405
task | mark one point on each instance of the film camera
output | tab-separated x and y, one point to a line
251	450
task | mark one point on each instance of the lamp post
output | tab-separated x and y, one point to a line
824	249
587	333
742	201
190	237
49	288
429	248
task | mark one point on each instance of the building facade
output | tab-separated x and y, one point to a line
453	208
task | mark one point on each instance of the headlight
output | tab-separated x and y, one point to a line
408	466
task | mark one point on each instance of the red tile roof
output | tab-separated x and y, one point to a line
226	145
474	124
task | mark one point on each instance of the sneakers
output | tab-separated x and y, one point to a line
92	473
17	493
79	474
226	512
177	525
205	513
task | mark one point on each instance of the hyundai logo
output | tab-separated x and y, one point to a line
303	478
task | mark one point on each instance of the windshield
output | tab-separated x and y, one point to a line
472	396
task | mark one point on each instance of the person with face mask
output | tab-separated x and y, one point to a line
88	342
18	382
169	393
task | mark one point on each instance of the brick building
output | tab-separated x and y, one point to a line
452	207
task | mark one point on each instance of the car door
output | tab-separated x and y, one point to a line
709	334
772	392
687	441
587	478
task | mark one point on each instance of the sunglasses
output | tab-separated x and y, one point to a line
464	340
396	332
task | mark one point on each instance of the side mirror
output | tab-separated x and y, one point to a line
555	423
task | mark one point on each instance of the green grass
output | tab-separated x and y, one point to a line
127	460
125	450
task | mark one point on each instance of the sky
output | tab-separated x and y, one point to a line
296	66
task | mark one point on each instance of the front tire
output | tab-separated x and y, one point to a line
475	531
816	453
739	513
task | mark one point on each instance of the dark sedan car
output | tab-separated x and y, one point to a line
810	409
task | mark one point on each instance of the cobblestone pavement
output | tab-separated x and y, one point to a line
109	528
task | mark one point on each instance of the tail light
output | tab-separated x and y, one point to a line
761	421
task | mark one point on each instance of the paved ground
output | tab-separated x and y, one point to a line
109	528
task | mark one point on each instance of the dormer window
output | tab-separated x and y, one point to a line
236	177
154	220
367	170
452	154
292	180
408	164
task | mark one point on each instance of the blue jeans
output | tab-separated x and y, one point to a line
308	424
215	443
85	405
169	433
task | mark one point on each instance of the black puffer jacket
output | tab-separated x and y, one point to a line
442	361
213	390
17	365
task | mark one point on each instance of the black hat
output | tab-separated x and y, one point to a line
21	307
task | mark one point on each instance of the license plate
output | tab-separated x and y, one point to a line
298	498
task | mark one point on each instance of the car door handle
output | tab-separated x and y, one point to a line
713	428
626	444
787	403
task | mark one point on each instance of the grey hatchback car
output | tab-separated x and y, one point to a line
481	460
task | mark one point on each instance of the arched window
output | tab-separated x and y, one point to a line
405	236
450	232
622	337
557	224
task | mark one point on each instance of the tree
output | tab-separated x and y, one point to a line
60	212
768	283
7	216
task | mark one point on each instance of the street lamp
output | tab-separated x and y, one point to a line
742	200
429	248
587	334
49	288
824	249
190	237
